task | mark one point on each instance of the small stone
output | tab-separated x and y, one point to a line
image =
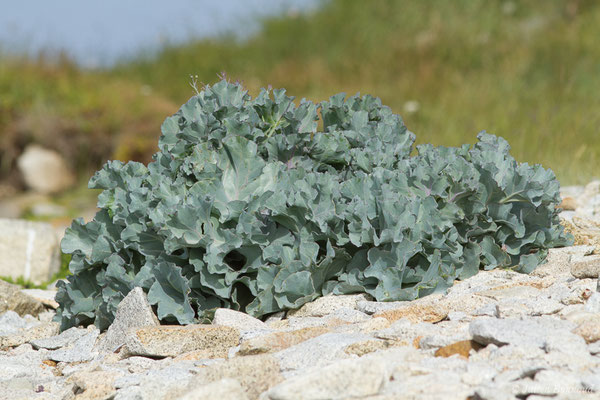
256	374
171	341
11	298
238	320
373	324
372	307
462	348
326	305
457	316
489	392
41	331
593	303
439	341
511	292
589	330
343	379
10	323
132	312
530	332
90	385
366	347
46	297
426	309
224	389
591	382
594	347
587	267
568	203
490	310
277	341
66	338
80	350
275	317
44	171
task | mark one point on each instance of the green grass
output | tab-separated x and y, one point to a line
528	72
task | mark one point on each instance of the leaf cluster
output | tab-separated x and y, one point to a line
250	204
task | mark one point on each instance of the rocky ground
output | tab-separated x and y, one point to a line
498	335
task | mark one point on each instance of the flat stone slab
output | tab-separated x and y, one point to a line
173	340
343	379
66	338
41	331
530	332
28	250
80	350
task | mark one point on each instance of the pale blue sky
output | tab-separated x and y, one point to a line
99	32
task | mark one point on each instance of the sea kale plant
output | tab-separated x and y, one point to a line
252	204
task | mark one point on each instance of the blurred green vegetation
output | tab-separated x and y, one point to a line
526	70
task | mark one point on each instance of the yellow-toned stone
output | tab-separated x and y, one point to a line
366	347
172	340
416	313
589	330
280	340
462	348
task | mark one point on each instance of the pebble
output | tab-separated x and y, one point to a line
498	335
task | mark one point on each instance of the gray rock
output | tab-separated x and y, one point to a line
66	338
591	381
530	332
457	316
11	323
11	298
490	310
43	330
593	303
372	307
44	171
225	389
256	374
239	320
594	348
587	267
346	314
165	382
30	250
319	351
209	341
521	307
328	304
80	350
132	312
341	380
492	392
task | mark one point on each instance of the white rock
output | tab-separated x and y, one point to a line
44	170
28	250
